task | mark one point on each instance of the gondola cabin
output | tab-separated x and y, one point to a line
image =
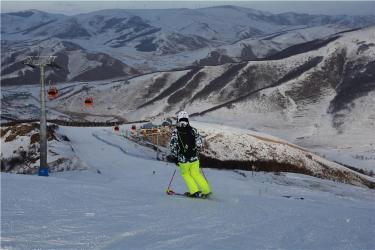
52	93
89	102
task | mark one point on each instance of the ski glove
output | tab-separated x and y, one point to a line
173	159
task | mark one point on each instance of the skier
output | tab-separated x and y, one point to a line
185	145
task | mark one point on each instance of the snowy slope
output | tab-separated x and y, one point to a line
225	148
125	207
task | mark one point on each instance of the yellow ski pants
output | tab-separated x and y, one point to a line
190	172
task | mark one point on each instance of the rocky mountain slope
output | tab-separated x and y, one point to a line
20	150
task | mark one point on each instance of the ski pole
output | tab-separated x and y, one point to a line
170	183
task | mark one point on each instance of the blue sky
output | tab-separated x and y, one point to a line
311	7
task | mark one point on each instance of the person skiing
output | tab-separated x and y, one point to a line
185	145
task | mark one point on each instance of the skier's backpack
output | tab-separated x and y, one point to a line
186	142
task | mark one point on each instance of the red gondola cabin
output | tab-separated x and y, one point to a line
52	93
89	101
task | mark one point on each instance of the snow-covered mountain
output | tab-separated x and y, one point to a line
231	23
21	24
327	70
77	63
268	46
305	98
223	23
149	40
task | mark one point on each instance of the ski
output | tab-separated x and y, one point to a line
171	192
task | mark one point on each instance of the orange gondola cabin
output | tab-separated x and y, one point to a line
52	93
89	102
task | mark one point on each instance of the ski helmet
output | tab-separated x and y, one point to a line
182	119
181	115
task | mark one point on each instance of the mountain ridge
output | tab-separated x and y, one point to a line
157	40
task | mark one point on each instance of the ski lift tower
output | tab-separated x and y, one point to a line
42	62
